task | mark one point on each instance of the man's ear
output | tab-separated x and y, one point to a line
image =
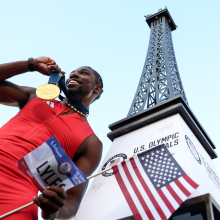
97	89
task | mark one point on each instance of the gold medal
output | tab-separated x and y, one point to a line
48	92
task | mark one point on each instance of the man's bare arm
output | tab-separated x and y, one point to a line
87	163
12	94
86	159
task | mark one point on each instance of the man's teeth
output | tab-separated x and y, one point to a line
73	81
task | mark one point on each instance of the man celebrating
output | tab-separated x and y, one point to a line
37	121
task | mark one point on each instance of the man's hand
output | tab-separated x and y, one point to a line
12	94
45	65
50	201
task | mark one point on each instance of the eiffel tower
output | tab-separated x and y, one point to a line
159	114
160	95
160	79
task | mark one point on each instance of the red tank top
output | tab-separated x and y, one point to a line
37	122
30	128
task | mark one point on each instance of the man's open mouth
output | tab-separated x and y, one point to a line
73	82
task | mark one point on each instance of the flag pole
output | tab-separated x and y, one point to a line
31	203
15	210
103	171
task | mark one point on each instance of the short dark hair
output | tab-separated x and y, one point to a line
98	81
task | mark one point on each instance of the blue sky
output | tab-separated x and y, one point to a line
112	37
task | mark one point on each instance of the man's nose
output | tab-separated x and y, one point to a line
75	74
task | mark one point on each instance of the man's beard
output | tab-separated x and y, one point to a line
79	93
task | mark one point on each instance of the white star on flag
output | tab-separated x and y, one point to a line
147	199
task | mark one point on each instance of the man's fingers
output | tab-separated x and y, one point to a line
46	65
58	190
49	201
52	202
53	197
51	61
54	68
46	206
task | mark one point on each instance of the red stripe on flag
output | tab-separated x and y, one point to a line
173	193
190	181
25	169
182	187
140	198
147	190
166	201
126	193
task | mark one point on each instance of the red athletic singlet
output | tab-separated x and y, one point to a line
30	128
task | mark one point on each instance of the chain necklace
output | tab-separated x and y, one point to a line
76	110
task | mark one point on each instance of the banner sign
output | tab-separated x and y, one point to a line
49	165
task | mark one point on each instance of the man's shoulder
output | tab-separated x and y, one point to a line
90	146
92	140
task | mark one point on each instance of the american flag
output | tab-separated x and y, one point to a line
114	162
153	183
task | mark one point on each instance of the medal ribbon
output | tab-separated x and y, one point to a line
77	104
54	78
58	78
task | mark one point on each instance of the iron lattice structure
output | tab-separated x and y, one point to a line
160	79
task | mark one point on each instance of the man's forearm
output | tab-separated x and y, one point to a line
68	211
8	70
